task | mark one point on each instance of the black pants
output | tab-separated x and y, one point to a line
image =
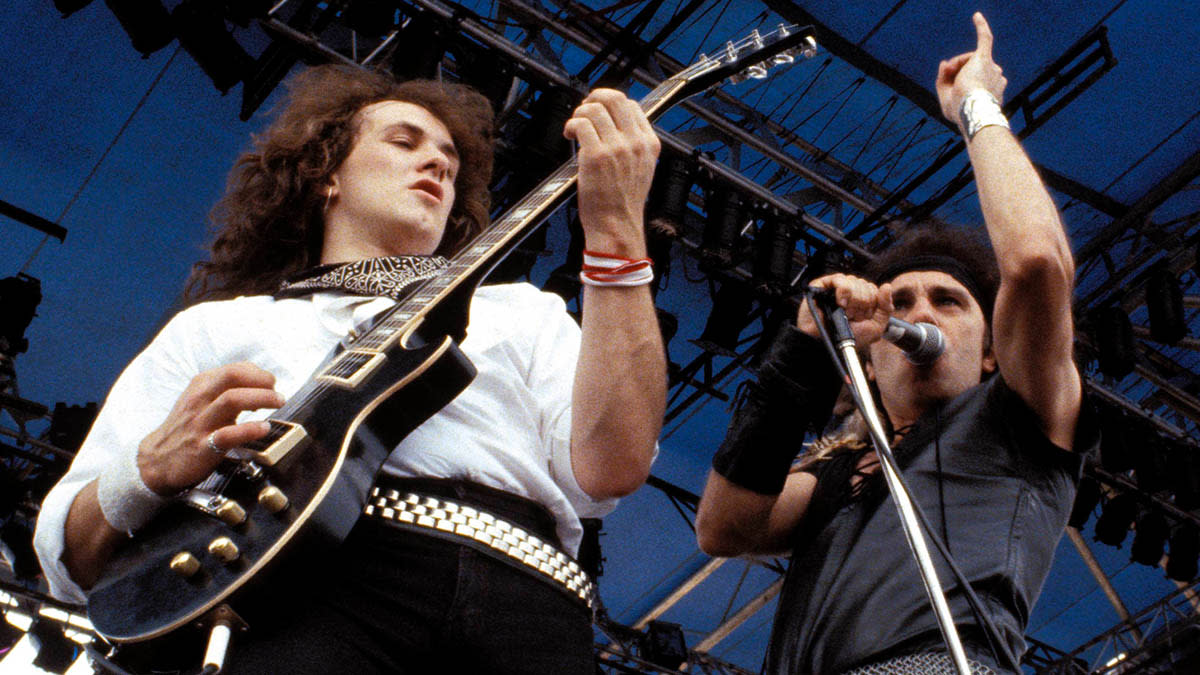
399	602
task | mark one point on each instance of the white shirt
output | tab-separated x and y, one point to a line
509	429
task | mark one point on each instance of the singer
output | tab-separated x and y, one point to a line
990	436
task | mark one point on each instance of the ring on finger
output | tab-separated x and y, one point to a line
212	445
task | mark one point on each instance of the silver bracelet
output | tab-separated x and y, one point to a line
125	500
980	109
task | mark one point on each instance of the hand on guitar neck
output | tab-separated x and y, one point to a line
617	153
176	455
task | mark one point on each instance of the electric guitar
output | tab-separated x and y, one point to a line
301	488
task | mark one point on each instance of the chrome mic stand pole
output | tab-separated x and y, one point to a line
891	473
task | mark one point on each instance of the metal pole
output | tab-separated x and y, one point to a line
908	518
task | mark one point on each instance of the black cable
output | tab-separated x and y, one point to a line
996	644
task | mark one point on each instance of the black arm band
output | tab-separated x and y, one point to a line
796	389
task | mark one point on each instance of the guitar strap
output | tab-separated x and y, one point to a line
392	276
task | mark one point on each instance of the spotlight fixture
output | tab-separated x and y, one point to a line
1113	335
1116	518
420	47
1086	499
19	298
202	31
1164	304
730	312
723	225
542	136
1149	538
69	7
668	200
664	645
1185	548
146	22
775	247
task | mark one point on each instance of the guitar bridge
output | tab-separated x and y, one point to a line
218	506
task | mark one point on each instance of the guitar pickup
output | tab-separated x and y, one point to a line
351	367
273	447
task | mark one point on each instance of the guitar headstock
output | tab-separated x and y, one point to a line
749	59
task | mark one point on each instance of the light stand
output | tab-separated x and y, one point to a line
844	342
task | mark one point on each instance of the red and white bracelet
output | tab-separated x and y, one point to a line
602	269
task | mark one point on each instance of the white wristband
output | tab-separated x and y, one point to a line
980	109
125	500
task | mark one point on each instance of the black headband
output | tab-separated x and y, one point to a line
940	263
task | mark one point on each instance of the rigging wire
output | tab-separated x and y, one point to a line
96	167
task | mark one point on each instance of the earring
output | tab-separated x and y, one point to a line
328	198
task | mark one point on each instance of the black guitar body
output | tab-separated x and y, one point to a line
326	478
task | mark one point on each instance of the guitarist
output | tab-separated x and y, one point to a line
357	189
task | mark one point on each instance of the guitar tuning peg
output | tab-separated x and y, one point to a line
730	51
756	39
738	77
811	49
757	72
783	57
783	30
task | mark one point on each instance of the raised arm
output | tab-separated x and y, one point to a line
1032	325
621	379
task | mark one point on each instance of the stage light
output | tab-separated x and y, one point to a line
1116	442
242	12
668	200
1116	518
1164	304
1149	538
542	135
371	18
70	424
145	21
590	557
1113	336
69	7
421	45
56	652
724	220
1185	548
1086	499
202	31
664	645
775	247
1184	471
19	298
481	69
730	312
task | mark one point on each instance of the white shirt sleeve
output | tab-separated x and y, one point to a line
137	404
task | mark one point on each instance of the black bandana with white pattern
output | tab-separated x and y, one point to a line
392	277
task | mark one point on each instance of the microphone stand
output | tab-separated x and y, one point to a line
861	391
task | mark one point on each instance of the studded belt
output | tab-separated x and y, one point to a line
485	532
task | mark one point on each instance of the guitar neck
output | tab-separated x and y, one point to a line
754	56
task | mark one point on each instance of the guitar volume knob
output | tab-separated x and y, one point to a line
184	564
231	513
224	549
272	499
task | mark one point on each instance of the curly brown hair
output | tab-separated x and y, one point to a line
270	222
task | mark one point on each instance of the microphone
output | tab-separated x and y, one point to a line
922	342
